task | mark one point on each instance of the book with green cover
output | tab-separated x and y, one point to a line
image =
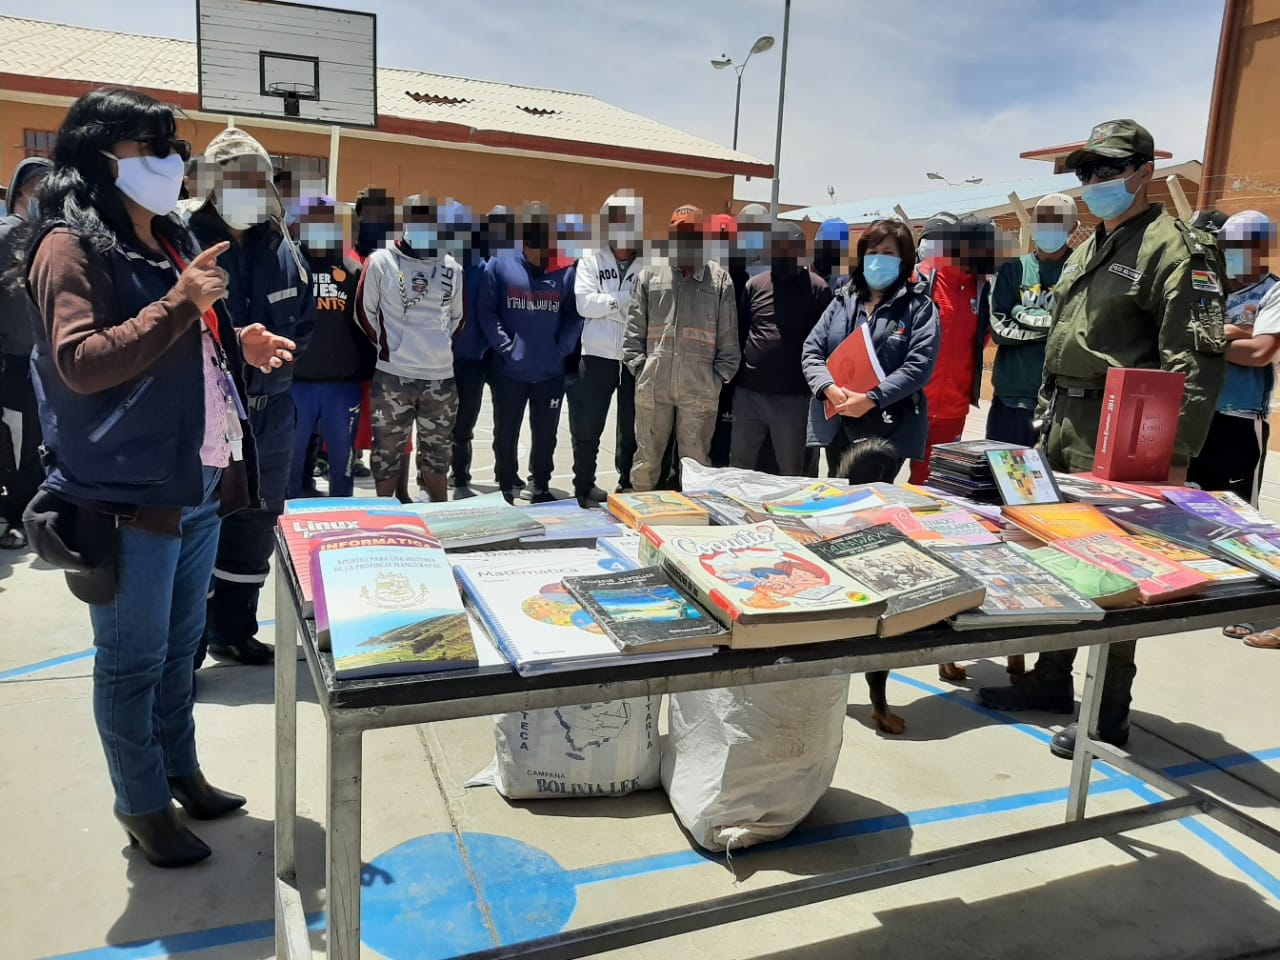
1019	592
391	610
1107	589
479	521
920	588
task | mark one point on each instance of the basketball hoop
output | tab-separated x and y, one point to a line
292	94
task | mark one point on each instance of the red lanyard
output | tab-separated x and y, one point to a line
210	318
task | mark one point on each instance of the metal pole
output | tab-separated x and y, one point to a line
782	92
737	108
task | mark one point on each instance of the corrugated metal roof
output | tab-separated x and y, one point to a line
41	49
958	200
962	200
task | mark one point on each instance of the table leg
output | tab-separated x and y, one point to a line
342	845
1087	729
286	683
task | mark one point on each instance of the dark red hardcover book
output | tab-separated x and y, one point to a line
1139	425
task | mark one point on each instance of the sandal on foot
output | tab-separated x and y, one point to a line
1266	640
1238	631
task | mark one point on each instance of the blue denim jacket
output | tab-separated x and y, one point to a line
905	333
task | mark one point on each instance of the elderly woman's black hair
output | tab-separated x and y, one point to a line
80	190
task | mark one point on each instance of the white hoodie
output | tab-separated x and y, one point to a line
602	292
410	309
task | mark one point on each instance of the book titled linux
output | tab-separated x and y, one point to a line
1139	425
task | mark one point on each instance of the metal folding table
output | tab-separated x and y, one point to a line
352	707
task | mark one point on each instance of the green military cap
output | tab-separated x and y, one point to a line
1114	139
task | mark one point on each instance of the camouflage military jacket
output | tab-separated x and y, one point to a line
1148	295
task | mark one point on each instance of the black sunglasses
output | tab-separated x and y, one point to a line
161	146
1106	169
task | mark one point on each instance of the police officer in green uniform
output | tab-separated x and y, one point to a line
1144	291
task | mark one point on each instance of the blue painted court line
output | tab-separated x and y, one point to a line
45	665
1114	778
31	668
161	947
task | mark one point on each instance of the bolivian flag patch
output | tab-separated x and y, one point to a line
1205	281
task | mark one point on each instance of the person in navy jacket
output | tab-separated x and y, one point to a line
529	318
268	283
904	334
140	376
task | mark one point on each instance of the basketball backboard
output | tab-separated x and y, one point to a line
267	58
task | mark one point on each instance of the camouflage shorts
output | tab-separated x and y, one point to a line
396	404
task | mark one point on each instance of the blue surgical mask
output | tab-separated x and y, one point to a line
1109	199
320	236
754	241
421	236
1237	261
881	269
1051	238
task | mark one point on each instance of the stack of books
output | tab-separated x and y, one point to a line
964	470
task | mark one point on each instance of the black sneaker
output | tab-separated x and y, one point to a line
358	469
539	495
463	492
623	488
597	495
251	652
509	495
1033	693
1063	743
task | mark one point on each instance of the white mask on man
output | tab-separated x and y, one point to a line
243	207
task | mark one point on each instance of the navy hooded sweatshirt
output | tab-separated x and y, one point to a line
529	318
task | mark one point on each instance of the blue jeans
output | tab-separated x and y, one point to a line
145	638
334	408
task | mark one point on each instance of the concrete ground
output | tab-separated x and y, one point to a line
452	869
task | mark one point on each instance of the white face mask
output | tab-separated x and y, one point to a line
150	182
928	249
243	207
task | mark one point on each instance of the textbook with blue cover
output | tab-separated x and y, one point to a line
390	608
332	504
564	522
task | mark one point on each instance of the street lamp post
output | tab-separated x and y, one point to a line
760	46
782	92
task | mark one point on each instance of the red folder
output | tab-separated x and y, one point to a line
1139	425
854	365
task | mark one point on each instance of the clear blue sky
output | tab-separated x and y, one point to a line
877	93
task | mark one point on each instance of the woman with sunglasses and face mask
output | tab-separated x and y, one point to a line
138	372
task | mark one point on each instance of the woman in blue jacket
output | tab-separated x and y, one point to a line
139	373
905	335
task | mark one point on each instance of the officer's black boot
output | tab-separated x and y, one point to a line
1048	687
1113	715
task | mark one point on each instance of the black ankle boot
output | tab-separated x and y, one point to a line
164	839
203	800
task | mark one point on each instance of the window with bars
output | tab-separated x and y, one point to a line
38	143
